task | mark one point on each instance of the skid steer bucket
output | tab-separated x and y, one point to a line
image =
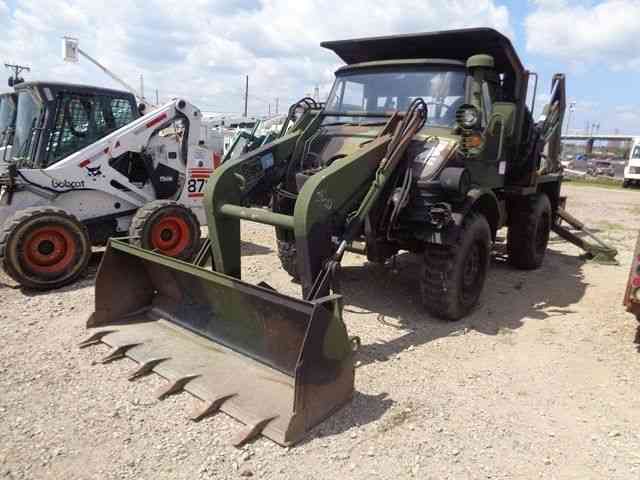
278	364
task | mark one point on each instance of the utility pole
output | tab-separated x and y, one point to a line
15	78
572	107
277	104
246	94
157	97
316	93
269	109
142	85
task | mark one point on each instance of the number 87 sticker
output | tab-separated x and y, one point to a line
197	180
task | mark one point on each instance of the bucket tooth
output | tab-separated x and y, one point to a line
94	338
117	353
266	285
175	387
251	432
146	368
211	407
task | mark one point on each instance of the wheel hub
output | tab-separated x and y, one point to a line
49	250
46	247
170	235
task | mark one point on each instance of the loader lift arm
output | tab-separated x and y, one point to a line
412	122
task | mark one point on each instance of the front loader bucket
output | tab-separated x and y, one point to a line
278	364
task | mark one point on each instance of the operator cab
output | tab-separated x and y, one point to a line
55	120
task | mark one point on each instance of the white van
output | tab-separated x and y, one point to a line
632	169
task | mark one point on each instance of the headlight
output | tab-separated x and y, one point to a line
468	116
430	157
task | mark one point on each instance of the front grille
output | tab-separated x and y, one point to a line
634	170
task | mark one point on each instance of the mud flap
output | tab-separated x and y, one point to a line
278	364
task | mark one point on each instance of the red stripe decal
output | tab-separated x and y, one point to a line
200	175
193	195
201	170
156	120
84	163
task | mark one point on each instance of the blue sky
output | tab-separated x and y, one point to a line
201	49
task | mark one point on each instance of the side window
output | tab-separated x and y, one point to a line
82	120
71	131
121	111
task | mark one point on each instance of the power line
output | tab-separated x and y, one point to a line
15	79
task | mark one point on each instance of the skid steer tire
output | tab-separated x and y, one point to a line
528	233
287	254
166	227
44	248
453	276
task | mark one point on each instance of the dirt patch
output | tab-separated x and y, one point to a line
542	380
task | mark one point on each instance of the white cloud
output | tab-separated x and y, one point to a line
605	33
202	52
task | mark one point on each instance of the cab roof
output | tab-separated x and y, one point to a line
72	87
449	44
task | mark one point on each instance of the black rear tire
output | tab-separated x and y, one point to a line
44	248
528	234
288	256
453	276
168	228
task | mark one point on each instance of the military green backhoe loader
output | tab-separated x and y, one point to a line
426	144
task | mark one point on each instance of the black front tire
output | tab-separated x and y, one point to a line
453	276
529	229
288	256
625	184
168	228
44	248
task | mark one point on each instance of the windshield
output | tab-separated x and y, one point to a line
7	112
636	152
28	114
385	91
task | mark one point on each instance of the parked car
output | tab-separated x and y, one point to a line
601	168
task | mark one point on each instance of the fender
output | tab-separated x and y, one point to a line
484	201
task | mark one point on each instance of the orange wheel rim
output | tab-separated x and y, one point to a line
49	250
171	235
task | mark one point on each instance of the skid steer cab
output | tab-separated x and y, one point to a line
86	166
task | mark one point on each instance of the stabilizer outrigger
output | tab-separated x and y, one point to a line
599	252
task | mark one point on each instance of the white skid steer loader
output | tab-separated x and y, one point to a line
70	186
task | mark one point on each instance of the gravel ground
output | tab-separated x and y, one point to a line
541	381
